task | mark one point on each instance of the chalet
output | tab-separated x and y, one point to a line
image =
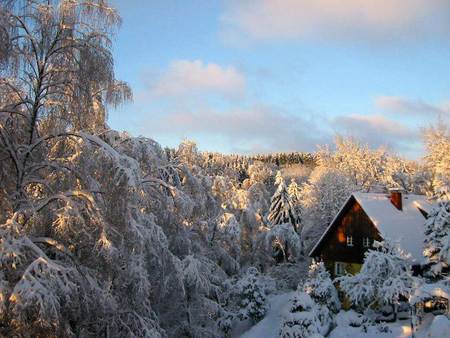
366	217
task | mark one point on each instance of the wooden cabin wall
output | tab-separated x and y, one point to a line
353	222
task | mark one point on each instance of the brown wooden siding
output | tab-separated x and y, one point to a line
352	221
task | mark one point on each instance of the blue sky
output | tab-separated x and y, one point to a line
283	75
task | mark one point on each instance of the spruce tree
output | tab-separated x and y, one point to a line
282	209
437	239
253	296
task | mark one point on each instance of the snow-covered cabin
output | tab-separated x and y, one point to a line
366	217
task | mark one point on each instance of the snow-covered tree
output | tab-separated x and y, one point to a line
202	279
362	165
224	237
282	209
399	173
58	79
437	238
284	242
322	197
437	143
384	278
223	190
321	288
253	297
294	191
188	153
259	172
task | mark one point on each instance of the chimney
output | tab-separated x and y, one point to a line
396	199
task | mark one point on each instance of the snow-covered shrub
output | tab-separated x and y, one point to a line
321	288
299	325
306	318
252	296
384	278
350	318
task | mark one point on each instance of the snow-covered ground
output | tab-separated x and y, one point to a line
400	329
432	327
270	325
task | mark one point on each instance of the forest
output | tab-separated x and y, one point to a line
105	234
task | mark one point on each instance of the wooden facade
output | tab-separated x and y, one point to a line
347	239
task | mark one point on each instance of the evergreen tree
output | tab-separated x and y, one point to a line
282	209
294	191
437	239
253	296
306	319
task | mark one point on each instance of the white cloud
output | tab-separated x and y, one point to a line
337	19
259	128
409	108
184	77
377	130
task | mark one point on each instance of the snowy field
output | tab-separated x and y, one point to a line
432	327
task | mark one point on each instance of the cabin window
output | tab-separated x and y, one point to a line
339	268
366	242
349	240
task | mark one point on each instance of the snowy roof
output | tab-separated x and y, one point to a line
427	291
405	226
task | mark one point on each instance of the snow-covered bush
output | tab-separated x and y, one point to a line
252	296
321	288
306	318
384	278
350	318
